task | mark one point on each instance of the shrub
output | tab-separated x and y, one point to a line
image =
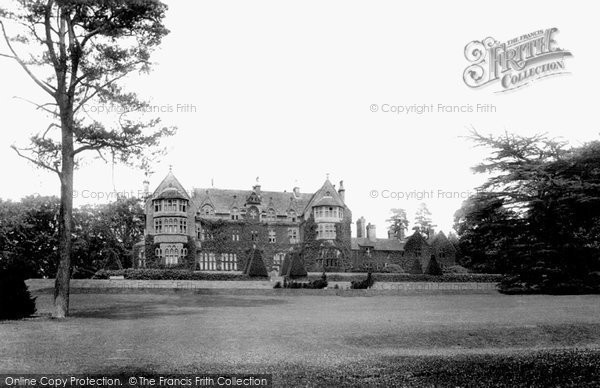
454	269
395	268
416	266
363	284
406	277
277	285
256	266
168	274
433	268
296	267
317	284
15	300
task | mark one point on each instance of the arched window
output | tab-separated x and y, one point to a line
208	210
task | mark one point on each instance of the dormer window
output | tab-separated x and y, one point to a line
271	214
208	210
235	214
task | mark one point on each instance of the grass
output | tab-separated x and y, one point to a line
454	340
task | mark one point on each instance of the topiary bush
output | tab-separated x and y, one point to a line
296	267
416	266
433	268
15	300
363	284
256	266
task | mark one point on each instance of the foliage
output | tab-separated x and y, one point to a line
296	266
452	269
29	234
363	284
423	223
317	284
15	300
398	223
433	267
255	266
537	218
77	52
103	235
407	277
416	266
168	274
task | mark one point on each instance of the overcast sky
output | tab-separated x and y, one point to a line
283	91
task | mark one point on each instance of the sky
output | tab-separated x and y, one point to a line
286	91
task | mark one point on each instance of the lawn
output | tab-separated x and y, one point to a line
318	340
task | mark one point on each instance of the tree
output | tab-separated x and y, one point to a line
29	234
78	52
398	223
537	218
433	267
423	223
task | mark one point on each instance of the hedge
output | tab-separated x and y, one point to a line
405	277
168	274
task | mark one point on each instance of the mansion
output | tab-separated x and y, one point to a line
213	229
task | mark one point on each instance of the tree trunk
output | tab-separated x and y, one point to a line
63	273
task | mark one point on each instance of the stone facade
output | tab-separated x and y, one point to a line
370	253
214	229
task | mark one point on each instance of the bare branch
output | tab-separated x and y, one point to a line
46	88
36	162
39	106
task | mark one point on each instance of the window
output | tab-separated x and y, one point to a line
157	206
293	235
235	214
254	235
207	261
253	213
182	206
207	210
199	234
271	216
326	231
292	215
272	236
235	235
158	252
170	225
172	254
228	262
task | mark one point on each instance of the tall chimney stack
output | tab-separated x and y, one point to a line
360	228
342	192
371	234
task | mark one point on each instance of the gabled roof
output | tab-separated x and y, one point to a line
168	187
327	195
223	200
380	244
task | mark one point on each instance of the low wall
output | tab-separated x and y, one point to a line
253	287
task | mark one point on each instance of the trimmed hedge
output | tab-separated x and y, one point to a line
168	274
405	277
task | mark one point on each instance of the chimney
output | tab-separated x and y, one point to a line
360	227
146	188
371	235
391	234
342	192
296	191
